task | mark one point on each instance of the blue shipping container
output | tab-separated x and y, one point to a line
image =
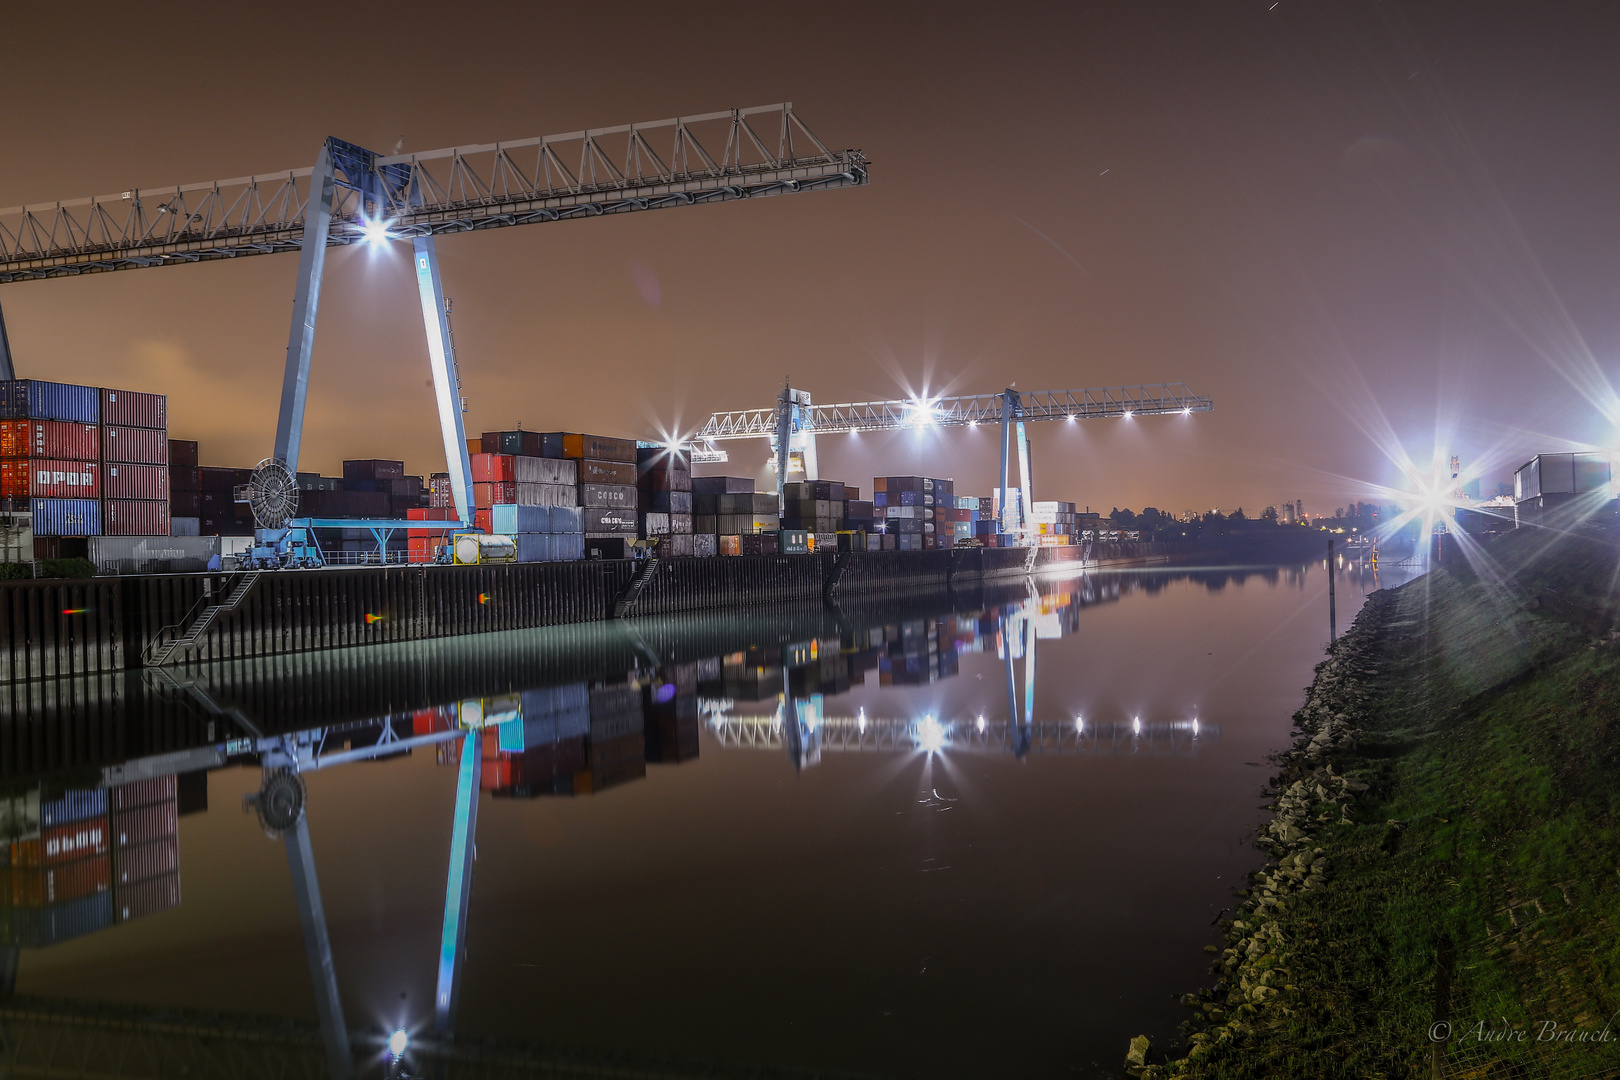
73	806
508	519
36	928
31	399
567	547
532	547
67	517
567	519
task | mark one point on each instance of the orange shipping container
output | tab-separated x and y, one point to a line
31	886
61	844
39	478
731	545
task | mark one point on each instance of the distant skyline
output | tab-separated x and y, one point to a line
1361	229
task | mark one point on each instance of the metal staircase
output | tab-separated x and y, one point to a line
644	574
174	642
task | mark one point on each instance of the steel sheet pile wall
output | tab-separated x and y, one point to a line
54	628
689	584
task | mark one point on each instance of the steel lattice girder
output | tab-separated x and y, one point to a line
1092	404
609	170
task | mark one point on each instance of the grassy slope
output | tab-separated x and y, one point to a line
1487	712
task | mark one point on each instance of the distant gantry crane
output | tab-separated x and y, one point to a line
793	423
354	195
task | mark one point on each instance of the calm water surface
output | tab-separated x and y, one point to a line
801	838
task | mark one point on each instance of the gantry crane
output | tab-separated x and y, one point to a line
793	423
353	195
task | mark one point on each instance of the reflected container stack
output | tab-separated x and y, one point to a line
57	877
664	497
144	839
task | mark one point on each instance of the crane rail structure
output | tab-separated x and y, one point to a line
1102	402
590	173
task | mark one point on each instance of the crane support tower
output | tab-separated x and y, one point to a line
793	423
354	195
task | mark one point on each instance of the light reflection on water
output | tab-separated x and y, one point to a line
889	816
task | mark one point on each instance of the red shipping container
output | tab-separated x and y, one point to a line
143	861
143	826
136	793
423	549
147	898
62	844
136	482
130	408
480	521
182	452
52	439
495	775
183	477
37	886
487	495
428	513
135	517
41	478
140	446
492	468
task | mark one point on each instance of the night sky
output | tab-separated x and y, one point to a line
1361	228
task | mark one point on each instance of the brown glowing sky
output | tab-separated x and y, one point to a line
1317	213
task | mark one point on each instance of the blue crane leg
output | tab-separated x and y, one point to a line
306	301
446	379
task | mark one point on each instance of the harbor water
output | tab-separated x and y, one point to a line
944	836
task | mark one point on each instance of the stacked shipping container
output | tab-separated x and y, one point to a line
664	493
81	860
85	461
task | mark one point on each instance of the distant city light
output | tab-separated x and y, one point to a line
1079	723
1136	725
981	723
398	1041
860	722
1195	725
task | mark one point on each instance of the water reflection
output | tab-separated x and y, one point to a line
100	769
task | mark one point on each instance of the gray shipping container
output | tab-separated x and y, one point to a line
153	554
185	526
618	496
540	470
608	520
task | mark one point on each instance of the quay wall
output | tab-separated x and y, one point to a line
51	629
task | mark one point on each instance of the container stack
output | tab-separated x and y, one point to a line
742	521
522	492
222	515
963	517
816	509
606	488
909	506
1053	522
50	462
185	489
985	525
134	463
664	497
859	521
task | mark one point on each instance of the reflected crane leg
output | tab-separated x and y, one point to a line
1029	672
446	377
318	947
9	956
1012	687
458	889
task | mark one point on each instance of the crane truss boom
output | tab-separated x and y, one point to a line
712	157
1091	404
